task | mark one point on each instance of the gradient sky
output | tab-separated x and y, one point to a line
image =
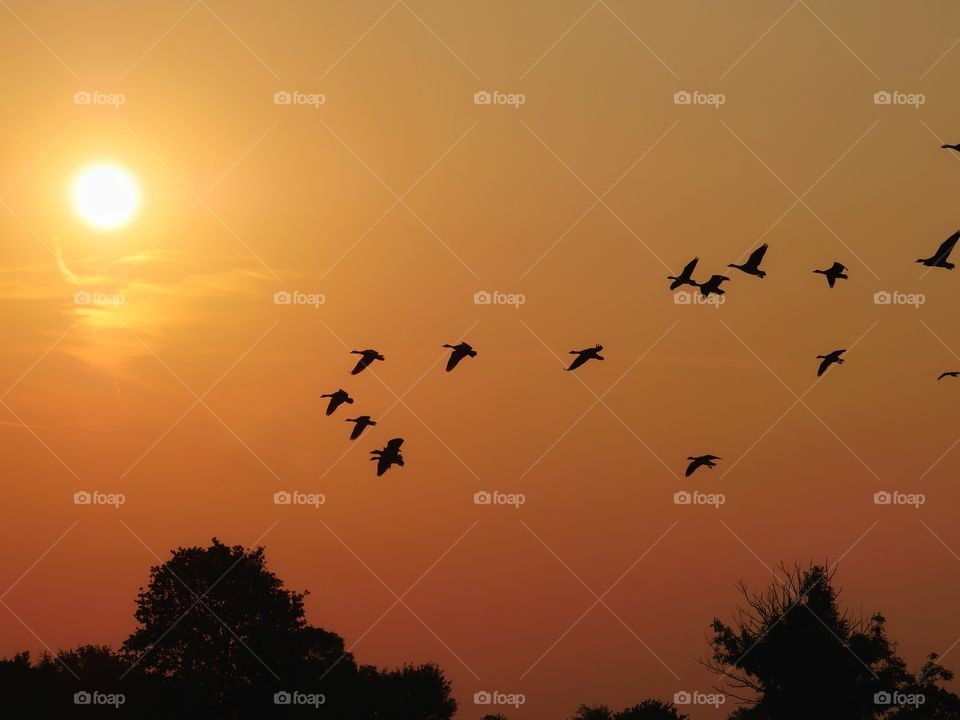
398	199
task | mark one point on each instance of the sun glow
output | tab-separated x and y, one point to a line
106	196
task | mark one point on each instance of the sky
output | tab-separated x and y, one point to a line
383	197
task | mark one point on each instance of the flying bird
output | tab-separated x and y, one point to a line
713	285
367	357
390	455
951	147
700	461
834	272
686	275
583	355
336	400
752	265
939	259
828	360
460	351
952	373
362	421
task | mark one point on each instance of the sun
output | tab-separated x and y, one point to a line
106	196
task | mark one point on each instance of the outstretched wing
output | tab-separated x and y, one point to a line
757	256
691	467
361	364
946	247
332	405
357	429
689	267
578	361
383	464
455	357
831	279
394	445
824	365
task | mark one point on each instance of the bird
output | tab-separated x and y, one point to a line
390	455
951	147
583	355
460	351
361	424
828	360
367	357
752	265
336	400
952	373
713	285
834	272
700	461
686	275
939	259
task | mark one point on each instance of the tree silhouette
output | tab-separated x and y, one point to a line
647	710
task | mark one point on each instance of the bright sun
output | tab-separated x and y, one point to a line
106	196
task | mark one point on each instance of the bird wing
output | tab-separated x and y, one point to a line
824	365
383	464
946	247
455	357
689	267
361	364
837	268
691	467
394	445
831	280
357	429
578	361
756	256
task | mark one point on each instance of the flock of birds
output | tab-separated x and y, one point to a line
390	454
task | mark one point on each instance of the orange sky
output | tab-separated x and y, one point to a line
397	199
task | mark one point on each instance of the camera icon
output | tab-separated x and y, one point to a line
282	297
82	97
682	97
682	497
882	298
282	97
482	298
882	97
882	498
282	698
482	498
282	498
482	698
482	97
882	698
682	298
682	698
82	698
82	297
82	497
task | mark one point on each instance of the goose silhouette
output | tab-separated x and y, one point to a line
460	351
390	455
951	373
834	272
700	461
713	285
337	399
362	421
828	360
939	259
366	357
583	355
951	147
686	275
752	265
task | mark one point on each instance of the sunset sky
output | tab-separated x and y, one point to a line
385	190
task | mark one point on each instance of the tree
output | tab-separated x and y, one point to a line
647	710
